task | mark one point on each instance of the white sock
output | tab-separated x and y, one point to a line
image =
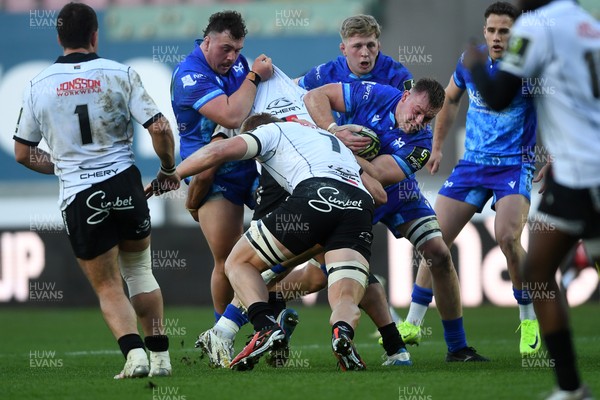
226	328
526	312
416	313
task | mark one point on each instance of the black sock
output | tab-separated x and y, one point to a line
130	342
261	315
560	348
277	301
392	341
157	342
344	327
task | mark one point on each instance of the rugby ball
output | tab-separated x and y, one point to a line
373	149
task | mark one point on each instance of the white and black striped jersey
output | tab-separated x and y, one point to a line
83	106
556	50
292	153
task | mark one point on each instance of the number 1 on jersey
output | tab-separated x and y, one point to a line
84	123
593	62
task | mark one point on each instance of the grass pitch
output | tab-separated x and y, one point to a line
70	354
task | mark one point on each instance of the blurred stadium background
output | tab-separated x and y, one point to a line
153	36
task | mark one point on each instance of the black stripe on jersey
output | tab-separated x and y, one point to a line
257	247
332	270
152	120
76	58
249	133
259	224
25	142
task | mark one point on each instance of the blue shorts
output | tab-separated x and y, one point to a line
475	183
405	203
236	183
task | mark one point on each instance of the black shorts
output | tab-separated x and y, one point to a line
572	211
108	212
268	196
324	211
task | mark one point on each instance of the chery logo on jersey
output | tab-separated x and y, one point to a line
282	105
79	86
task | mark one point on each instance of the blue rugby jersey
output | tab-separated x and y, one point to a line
496	138
373	105
194	84
386	71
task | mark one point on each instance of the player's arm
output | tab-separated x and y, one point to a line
497	91
215	153
230	111
164	147
374	187
444	121
33	158
383	168
321	102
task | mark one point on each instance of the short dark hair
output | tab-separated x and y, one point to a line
231	21
502	8
76	24
435	91
256	120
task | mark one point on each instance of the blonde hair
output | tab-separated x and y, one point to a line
361	25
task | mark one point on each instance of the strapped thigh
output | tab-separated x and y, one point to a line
422	230
263	242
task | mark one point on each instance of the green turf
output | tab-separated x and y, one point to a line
70	354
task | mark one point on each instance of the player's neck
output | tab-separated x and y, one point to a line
82	50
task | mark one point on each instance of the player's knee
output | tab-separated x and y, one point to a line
136	270
315	280
509	243
437	256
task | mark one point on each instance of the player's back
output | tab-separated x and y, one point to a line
292	153
83	110
564	65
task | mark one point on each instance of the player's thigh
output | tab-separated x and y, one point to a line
452	215
511	216
103	269
547	248
221	222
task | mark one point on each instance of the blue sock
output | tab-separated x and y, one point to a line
522	296
236	315
277	269
421	295
217	316
454	334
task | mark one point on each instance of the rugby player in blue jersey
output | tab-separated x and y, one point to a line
555	46
361	59
497	163
401	119
214	85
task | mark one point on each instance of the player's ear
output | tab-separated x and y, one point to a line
405	95
94	41
343	49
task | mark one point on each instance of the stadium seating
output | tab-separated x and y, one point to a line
20	5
